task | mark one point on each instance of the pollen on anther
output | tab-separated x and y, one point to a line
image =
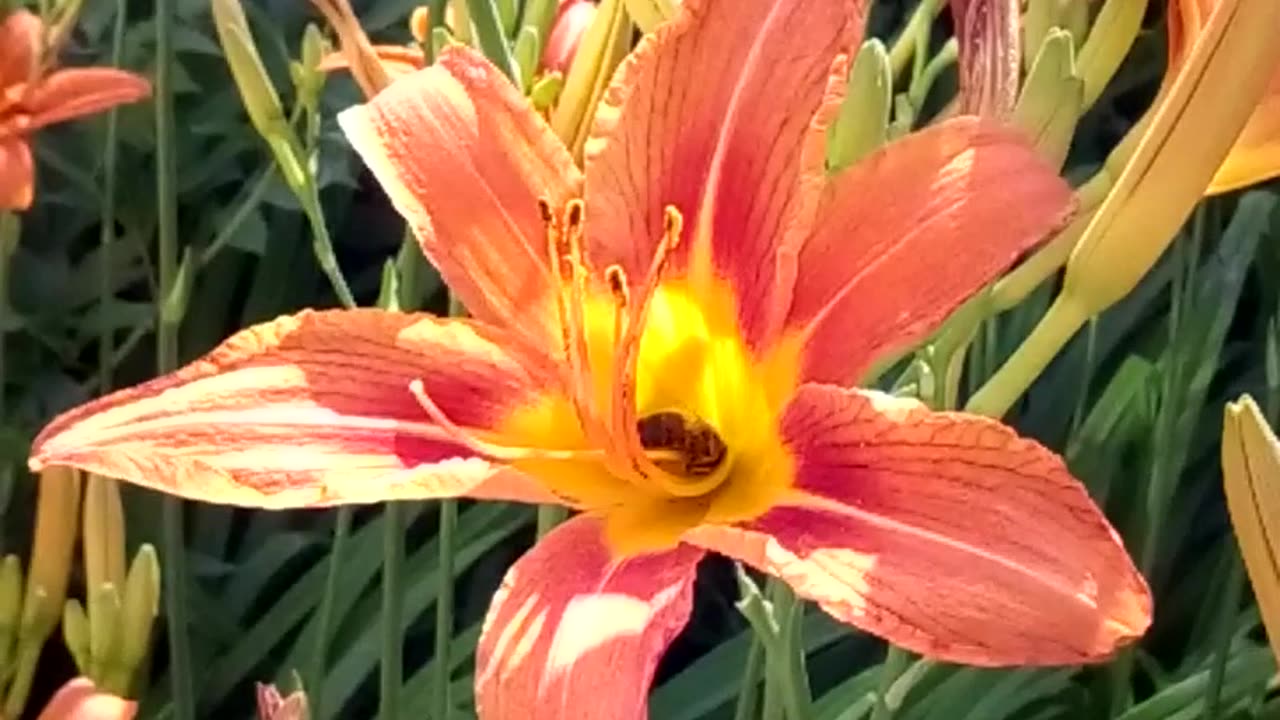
672	225
544	210
617	279
574	212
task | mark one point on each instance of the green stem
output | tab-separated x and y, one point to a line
322	245
175	570
749	693
107	230
929	73
435	21
324	613
10	229
1086	379
905	45
1222	634
401	295
251	201
896	662
392	665
443	706
798	697
549	516
1013	378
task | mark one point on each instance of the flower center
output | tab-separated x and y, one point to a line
698	447
665	418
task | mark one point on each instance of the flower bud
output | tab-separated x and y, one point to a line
649	14
1251	479
273	706
571	23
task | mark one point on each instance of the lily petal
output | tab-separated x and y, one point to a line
307	410
989	33
944	533
911	232
574	633
17	174
1256	155
66	94
693	120
465	158
20	32
79	699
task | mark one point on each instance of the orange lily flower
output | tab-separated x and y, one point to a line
660	340
79	699
30	99
1256	154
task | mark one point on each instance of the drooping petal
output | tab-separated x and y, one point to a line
574	632
66	94
20	32
1256	155
81	700
909	233
694	119
989	33
396	60
307	410
366	68
17	174
944	533
465	158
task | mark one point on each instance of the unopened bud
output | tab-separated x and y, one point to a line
649	14
420	24
273	706
567	31
57	508
141	602
603	46
862	125
1051	99
10	608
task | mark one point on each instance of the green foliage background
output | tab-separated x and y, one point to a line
1135	403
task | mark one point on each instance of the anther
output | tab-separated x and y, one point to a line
672	226
574	212
544	209
617	279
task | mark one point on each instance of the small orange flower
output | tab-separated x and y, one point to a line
1256	154
274	706
661	341
79	699
31	98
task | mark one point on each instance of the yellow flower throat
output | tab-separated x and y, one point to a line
667	420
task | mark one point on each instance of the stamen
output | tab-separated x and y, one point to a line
627	350
564	250
509	453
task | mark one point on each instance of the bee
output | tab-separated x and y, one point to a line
700	448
